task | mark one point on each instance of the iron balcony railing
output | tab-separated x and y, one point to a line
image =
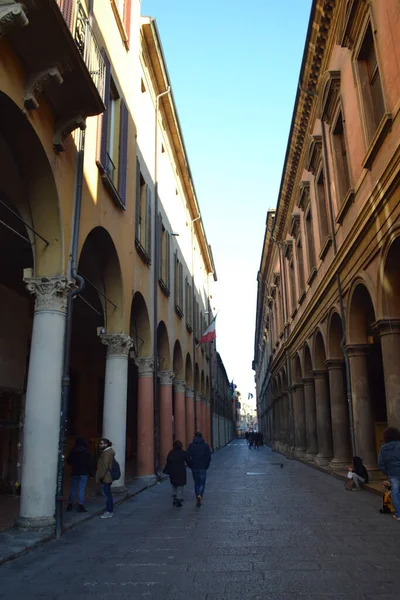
76	18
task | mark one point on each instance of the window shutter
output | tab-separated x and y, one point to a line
176	279
123	152
181	286
66	7
148	221
127	20
138	201
167	258
160	248
103	119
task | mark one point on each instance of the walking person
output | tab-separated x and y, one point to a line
389	464
103	475
82	465
175	467
200	458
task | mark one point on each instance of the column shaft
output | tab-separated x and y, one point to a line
145	417
340	415
324	421
299	421
166	379
311	420
390	340
180	412
190	425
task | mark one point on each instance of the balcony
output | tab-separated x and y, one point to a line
63	63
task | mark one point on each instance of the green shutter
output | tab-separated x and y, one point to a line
138	202
148	222
168	260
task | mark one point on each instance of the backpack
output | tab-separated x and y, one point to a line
387	505
115	470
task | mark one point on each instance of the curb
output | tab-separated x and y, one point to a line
51	535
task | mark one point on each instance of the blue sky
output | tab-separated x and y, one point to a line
234	70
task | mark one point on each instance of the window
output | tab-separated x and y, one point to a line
122	11
143	216
112	146
178	285
321	205
196	321
341	160
164	266
300	265
310	243
292	279
189	305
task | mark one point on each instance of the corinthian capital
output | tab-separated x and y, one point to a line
145	366
166	377
51	294
118	344
11	15
179	386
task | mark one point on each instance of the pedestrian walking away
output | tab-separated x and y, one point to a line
175	468
82	464
389	463
200	459
103	475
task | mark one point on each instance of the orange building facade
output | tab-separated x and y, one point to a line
327	343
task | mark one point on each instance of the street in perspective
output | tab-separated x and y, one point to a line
269	529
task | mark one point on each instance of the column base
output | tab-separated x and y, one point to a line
339	465
35	523
149	478
299	453
119	489
374	473
321	460
309	456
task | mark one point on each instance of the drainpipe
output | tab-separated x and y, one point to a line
193	332
340	293
156	264
72	275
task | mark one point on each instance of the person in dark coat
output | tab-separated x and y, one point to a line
389	463
200	459
82	465
175	467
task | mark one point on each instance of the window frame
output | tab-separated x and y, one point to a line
143	216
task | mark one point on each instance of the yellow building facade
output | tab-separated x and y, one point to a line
106	272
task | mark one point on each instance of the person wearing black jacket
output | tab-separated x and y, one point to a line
200	458
175	467
82	465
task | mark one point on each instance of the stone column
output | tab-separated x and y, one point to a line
190	425
340	415
286	422
299	420
389	330
203	417
311	420
362	405
43	402
180	412
324	421
199	414
166	380
208	422
115	398
145	417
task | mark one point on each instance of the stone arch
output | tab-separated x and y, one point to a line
360	312
308	366
389	279
297	370
319	351
35	196
99	265
163	353
178	361
140	330
188	370
335	335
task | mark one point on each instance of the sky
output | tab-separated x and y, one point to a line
234	67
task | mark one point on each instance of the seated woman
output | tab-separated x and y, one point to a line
357	475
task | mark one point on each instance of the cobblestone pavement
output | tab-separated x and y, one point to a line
265	532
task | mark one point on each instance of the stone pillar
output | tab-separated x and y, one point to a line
43	402
199	421
286	423
362	405
340	415
204	417
311	420
190	425
324	421
180	412
299	420
208	422
115	398
145	417
166	380
389	330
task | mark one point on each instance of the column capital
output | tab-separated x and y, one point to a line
189	393
199	398
358	349
166	377
179	386
298	386
387	326
334	364
319	373
308	380
118	344
145	366
51	293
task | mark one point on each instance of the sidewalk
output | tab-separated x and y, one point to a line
15	542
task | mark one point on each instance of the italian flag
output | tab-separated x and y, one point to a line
210	334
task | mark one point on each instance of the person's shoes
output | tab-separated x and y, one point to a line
69	508
397	518
107	515
199	499
81	508
174	502
178	503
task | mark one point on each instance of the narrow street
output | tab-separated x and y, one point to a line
265	532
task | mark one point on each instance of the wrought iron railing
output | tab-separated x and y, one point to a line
76	18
